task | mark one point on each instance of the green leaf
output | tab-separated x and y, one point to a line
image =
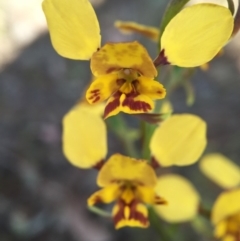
173	8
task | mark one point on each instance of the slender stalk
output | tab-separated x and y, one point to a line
99	211
155	221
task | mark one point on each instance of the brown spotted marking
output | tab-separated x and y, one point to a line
95	95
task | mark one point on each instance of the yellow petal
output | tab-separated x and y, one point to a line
84	137
220	229
74	28
221	170
116	56
105	195
151	88
129	27
120	168
227	204
135	215
179	140
101	88
148	195
196	34
127	195
136	105
131	104
112	106
181	196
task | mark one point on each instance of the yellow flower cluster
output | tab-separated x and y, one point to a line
179	140
124	71
125	78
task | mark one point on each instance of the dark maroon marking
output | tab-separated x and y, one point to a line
161	59
113	104
120	82
134	214
96	99
99	165
111	70
238	236
139	216
151	118
159	92
159	200
135	82
97	199
135	105
120	214
95	95
95	91
154	163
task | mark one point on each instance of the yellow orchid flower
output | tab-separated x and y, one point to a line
125	75
125	72
226	216
129	182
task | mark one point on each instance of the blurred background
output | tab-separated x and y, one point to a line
43	197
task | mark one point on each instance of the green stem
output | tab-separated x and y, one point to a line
99	211
127	135
147	132
130	147
159	226
204	212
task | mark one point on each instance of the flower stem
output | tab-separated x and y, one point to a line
164	233
99	211
127	135
147	131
